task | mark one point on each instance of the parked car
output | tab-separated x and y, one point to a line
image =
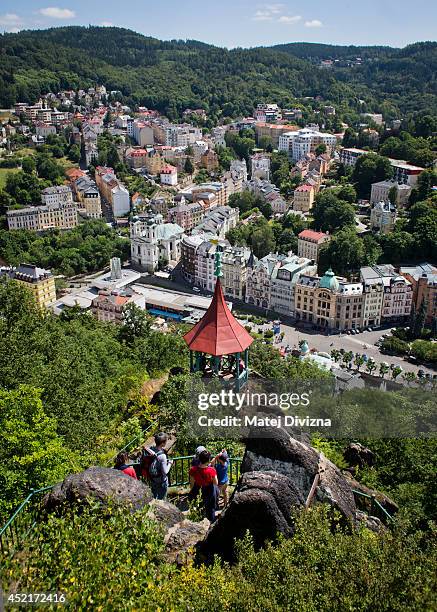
196	289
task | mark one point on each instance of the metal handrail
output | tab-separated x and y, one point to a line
181	466
375	506
24	518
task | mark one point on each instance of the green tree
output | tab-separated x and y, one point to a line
383	369
263	241
344	252
32	453
330	213
189	167
368	169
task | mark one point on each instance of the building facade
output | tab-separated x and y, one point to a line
154	243
40	282
40	218
309	244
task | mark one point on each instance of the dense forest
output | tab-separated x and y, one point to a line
173	75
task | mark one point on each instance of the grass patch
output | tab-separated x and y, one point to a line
4	174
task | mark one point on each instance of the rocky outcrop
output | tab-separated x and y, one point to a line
107	486
261	504
97	484
165	513
357	455
278	451
181	540
370	522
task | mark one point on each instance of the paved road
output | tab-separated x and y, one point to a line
320	342
360	343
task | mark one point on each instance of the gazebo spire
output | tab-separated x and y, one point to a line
219	335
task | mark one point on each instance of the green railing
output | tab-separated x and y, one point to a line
25	516
181	467
21	522
373	507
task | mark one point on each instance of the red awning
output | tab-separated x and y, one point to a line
218	332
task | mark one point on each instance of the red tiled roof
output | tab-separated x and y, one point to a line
218	332
168	170
304	188
311	235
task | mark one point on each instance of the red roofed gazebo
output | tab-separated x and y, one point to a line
218	343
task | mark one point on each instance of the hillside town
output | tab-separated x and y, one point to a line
254	189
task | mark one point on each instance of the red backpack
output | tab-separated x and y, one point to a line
148	458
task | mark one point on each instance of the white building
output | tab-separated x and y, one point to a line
271	281
397	291
57	195
260	166
383	217
120	200
300	143
155	243
142	133
381	190
169	175
40	218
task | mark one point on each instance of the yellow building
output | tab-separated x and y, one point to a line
303	198
39	281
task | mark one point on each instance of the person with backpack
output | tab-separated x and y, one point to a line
205	477
121	464
221	464
155	466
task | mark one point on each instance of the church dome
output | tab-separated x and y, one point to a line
329	281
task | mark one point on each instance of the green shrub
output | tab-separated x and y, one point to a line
114	561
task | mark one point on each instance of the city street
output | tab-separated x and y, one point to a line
363	342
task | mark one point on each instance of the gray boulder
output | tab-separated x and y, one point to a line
278	451
181	540
261	504
97	484
370	522
165	513
358	455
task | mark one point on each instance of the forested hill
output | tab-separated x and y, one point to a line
406	77
173	75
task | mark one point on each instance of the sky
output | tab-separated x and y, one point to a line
239	23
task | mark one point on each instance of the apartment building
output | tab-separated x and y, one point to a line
218	221
380	193
143	133
423	279
40	218
57	195
309	244
40	282
271	281
303	198
89	197
298	144
397	292
114	192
